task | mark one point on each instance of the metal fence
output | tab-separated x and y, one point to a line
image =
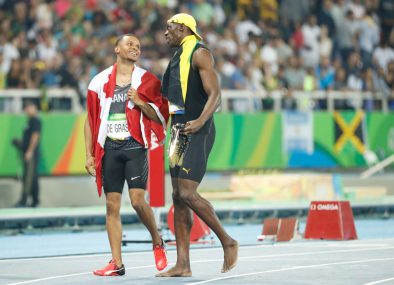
240	101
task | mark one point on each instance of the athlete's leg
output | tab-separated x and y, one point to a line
188	195
114	225
183	221
145	213
136	174
113	182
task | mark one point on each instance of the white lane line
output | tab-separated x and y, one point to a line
358	245
291	268
91	255
213	260
380	281
316	252
49	278
71	275
70	256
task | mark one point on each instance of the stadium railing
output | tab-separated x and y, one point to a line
65	99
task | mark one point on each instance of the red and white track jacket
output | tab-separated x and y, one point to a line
99	97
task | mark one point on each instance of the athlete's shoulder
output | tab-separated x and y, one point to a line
100	79
201	50
147	75
201	45
201	56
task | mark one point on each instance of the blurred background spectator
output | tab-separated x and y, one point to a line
316	45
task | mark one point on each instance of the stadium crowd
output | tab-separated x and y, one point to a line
258	44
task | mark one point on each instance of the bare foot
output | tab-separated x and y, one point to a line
230	256
176	272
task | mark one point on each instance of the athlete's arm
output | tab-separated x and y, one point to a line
90	161
147	109
203	61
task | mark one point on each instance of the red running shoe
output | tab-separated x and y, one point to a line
160	256
110	270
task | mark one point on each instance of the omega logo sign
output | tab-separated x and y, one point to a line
322	207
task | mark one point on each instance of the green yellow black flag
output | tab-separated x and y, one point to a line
349	128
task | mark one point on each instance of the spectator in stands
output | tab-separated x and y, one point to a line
239	81
354	64
219	12
283	50
44	30
29	147
325	43
338	12
386	12
254	77
311	34
203	12
347	35
355	81
325	74
382	55
238	77
227	45
295	73
297	38
47	47
248	9
357	8
269	10
10	52
225	69
340	82
20	22
14	79
380	83
309	80
368	36
270	81
325	19
244	28
269	56
294	10
367	77
288	102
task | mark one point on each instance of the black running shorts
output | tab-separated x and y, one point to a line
124	161
196	156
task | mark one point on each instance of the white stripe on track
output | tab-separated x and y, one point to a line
209	260
379	281
291	268
71	275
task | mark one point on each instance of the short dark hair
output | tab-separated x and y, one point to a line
125	35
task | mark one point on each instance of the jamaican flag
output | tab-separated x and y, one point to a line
350	132
175	79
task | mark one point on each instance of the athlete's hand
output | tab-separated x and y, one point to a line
132	94
192	127
28	156
90	165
